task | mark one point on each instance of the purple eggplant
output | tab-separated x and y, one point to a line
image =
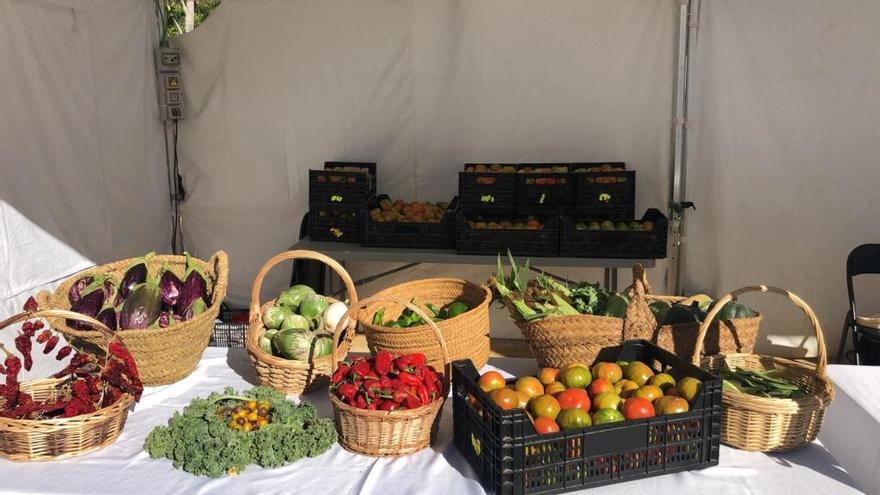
89	304
107	316
134	276
75	292
195	286
169	287
142	306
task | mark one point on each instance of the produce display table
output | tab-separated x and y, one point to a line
343	251
124	467
851	430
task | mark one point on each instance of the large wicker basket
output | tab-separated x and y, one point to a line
50	439
163	355
295	377
388	433
559	341
764	424
466	335
724	336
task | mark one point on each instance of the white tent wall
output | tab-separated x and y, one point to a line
783	162
82	169
274	88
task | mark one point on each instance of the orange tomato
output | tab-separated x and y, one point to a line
505	398
670	404
574	398
638	372
492	380
576	377
606	400
529	385
625	388
548	375
608	371
524	399
554	388
600	385
545	425
545	406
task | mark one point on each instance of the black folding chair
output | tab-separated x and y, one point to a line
862	260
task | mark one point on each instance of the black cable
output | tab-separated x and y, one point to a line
176	200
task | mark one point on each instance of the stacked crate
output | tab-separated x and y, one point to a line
338	196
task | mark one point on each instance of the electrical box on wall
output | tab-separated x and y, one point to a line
170	94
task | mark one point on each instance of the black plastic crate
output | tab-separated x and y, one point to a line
544	192
334	186
509	457
582	242
520	242
336	223
410	234
610	194
231	331
487	192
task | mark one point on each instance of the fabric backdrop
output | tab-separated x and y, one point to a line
274	88
784	164
82	168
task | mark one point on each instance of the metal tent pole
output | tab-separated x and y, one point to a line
689	11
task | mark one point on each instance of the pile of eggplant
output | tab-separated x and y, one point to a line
141	299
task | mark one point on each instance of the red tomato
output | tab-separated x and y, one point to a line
545	425
574	398
600	385
637	408
492	380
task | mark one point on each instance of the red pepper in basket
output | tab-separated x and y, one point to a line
371	388
374	405
63	352
50	344
407	362
413	402
408	379
383	364
432	390
340	373
389	405
360	401
423	394
30	305
23	344
346	391
361	368
44	336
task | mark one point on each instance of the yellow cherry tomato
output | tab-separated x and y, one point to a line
252	416
252	404
247	427
262	422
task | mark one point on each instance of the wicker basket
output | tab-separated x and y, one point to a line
727	336
388	433
50	439
163	355
559	341
466	335
295	377
765	424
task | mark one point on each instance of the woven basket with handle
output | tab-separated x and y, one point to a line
163	355
764	424
724	336
466	335
286	375
388	433
562	340
60	438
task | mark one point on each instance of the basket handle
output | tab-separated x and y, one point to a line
351	316
639	321
63	313
297	254
220	261
822	363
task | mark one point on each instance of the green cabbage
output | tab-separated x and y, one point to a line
323	346
273	316
292	297
294	321
293	344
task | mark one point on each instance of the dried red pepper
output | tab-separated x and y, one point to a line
63	352
44	336
30	305
23	344
50	344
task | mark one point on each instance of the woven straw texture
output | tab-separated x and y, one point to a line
389	433
727	336
559	341
294	377
50	439
767	424
163	355
466	335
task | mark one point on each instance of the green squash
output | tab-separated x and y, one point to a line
659	308
616	306
734	310
678	314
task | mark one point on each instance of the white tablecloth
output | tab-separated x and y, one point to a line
124	468
851	430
